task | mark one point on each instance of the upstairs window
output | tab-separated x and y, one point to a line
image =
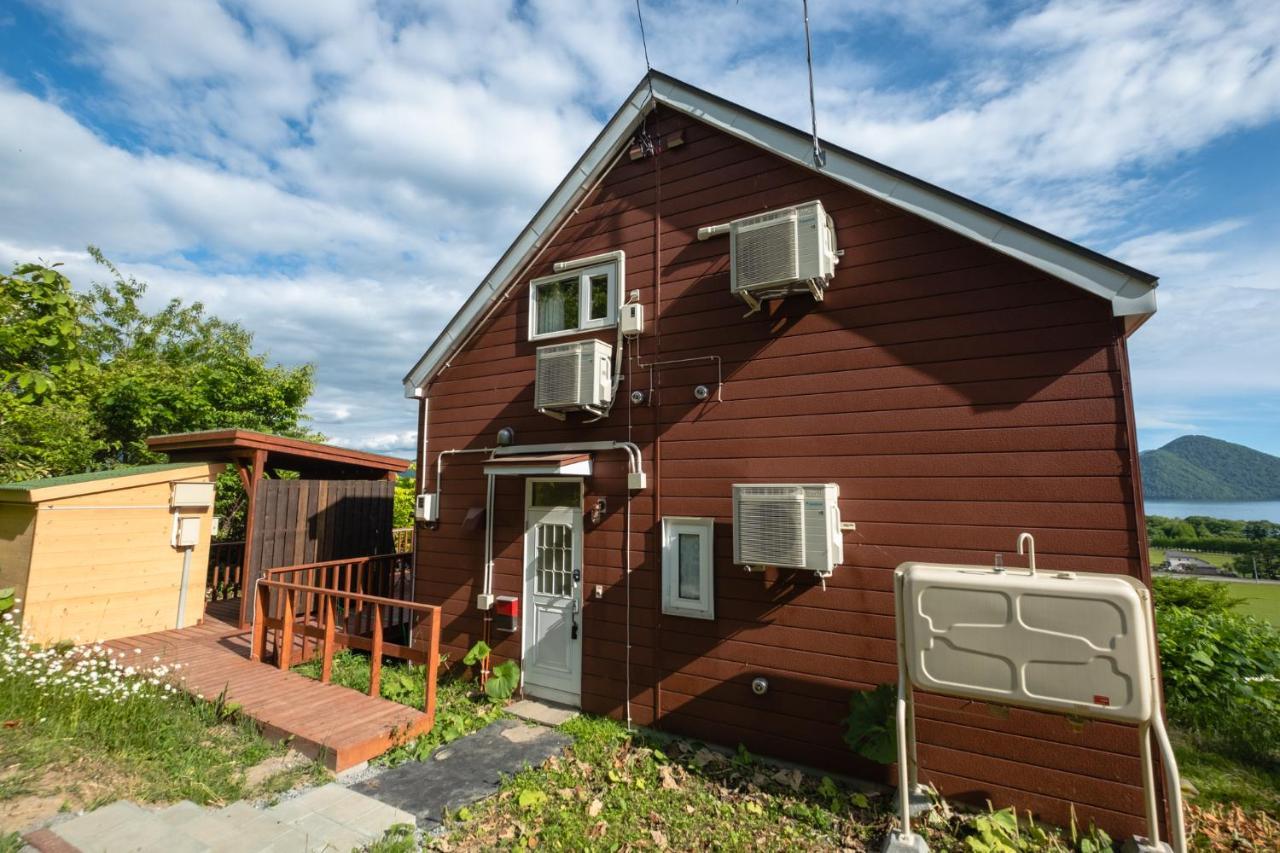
573	301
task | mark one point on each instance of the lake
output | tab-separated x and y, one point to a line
1236	510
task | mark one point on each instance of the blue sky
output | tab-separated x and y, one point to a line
339	174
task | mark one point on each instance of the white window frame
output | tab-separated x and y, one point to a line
584	276
672	603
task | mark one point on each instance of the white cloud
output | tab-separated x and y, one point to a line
339	174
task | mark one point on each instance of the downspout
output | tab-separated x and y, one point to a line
488	573
657	425
1121	350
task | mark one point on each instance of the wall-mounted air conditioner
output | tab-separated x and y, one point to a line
782	252
573	377
795	526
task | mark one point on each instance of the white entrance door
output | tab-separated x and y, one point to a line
552	626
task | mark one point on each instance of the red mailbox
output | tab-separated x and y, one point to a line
506	613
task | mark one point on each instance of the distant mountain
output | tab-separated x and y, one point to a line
1199	468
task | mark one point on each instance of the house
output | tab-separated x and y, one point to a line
108	554
673	330
1184	563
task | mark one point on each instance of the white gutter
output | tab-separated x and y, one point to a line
634	466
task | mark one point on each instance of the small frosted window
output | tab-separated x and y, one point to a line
687	567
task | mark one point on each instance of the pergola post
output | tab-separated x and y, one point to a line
250	479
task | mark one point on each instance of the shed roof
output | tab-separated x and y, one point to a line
1130	291
309	458
70	485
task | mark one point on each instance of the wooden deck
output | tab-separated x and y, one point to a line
336	725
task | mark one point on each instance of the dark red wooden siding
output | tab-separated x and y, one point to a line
956	396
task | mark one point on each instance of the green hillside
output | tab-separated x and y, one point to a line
1199	468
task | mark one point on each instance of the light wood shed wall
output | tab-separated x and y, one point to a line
102	565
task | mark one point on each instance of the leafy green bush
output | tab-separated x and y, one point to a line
871	729
1198	595
1220	677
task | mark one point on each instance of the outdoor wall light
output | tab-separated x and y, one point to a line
506	437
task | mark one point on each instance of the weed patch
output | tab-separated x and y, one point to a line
460	710
94	727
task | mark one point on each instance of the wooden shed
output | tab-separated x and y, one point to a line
94	556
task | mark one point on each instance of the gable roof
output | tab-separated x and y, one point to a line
1130	291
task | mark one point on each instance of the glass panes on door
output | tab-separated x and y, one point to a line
554	559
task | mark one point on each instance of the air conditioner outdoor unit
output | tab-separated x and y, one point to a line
795	526
782	252
573	377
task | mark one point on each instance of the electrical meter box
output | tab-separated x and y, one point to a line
186	531
1067	642
427	508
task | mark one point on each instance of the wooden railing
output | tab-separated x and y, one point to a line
383	575
225	577
295	621
402	539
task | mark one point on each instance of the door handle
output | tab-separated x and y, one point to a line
573	625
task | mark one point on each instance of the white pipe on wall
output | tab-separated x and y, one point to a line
182	591
633	451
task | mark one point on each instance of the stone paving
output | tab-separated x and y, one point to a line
329	818
465	771
334	818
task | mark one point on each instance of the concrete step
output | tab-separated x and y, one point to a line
328	819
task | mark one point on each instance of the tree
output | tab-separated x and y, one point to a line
85	378
1259	530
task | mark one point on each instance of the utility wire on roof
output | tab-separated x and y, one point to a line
648	66
819	156
645	140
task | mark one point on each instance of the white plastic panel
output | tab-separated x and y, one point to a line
192	495
1073	643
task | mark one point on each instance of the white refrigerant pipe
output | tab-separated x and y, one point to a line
634	463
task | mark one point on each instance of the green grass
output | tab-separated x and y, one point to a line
460	710
1225	780
1260	599
92	731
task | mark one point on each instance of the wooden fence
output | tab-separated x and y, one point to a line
294	621
301	522
402	538
225	577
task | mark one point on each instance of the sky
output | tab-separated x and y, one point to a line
338	175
